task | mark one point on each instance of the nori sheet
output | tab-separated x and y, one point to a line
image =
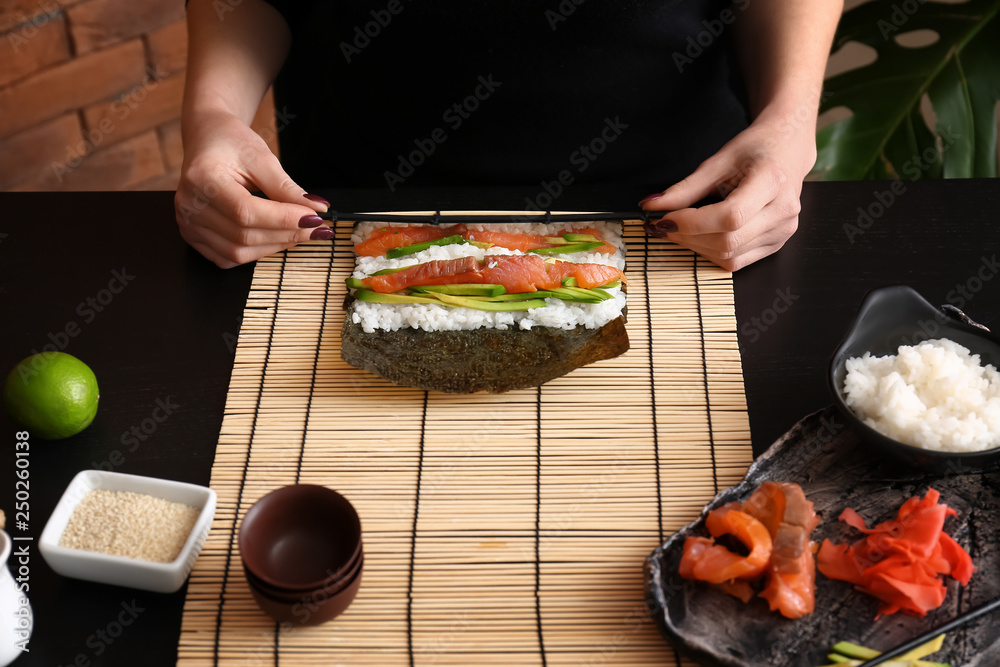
490	360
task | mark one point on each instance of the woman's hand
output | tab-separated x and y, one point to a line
224	160
759	173
234	53
783	46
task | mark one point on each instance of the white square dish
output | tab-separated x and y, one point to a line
121	570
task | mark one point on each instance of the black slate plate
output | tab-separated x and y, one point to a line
836	470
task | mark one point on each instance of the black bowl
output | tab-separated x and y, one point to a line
894	316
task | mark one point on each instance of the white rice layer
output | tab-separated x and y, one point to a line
431	317
935	395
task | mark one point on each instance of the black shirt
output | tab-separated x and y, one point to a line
400	93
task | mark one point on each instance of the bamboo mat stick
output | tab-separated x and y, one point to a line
498	530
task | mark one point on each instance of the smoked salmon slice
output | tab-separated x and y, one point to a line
437	272
791	573
522	242
517	273
527	242
587	275
707	561
792	594
387	238
784	519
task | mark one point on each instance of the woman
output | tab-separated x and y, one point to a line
407	94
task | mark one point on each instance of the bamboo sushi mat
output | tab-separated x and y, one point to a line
498	529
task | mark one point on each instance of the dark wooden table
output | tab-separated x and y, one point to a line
106	277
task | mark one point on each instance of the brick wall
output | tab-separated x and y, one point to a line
90	94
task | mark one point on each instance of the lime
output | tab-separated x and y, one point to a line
52	394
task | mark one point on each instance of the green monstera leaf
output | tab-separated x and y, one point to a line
887	136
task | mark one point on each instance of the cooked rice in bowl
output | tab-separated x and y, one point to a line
935	395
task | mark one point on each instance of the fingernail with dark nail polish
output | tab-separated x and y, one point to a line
317	199
322	234
650	198
661	227
666	226
310	221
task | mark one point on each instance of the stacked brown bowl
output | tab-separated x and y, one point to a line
302	554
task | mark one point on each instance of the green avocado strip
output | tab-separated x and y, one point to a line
495	306
572	247
556	293
393	253
470	289
449	300
380	297
582	238
385	272
580	294
520	296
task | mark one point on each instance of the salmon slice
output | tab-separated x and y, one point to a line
438	272
522	242
526	242
587	275
607	248
767	505
518	273
714	563
387	238
789	518
791	574
792	594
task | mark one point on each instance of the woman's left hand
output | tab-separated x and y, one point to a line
759	173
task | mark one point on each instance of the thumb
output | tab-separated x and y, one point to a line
267	173
685	193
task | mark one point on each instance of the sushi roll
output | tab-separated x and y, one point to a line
484	307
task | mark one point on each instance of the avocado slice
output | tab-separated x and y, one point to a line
448	300
495	306
568	248
381	297
580	294
462	290
855	651
582	238
402	251
355	283
385	272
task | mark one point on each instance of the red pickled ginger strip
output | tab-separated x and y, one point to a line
900	561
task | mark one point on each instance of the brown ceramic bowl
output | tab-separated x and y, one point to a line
300	538
309	608
331	588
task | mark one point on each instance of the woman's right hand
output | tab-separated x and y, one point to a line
224	161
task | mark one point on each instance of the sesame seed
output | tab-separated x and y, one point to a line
134	525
